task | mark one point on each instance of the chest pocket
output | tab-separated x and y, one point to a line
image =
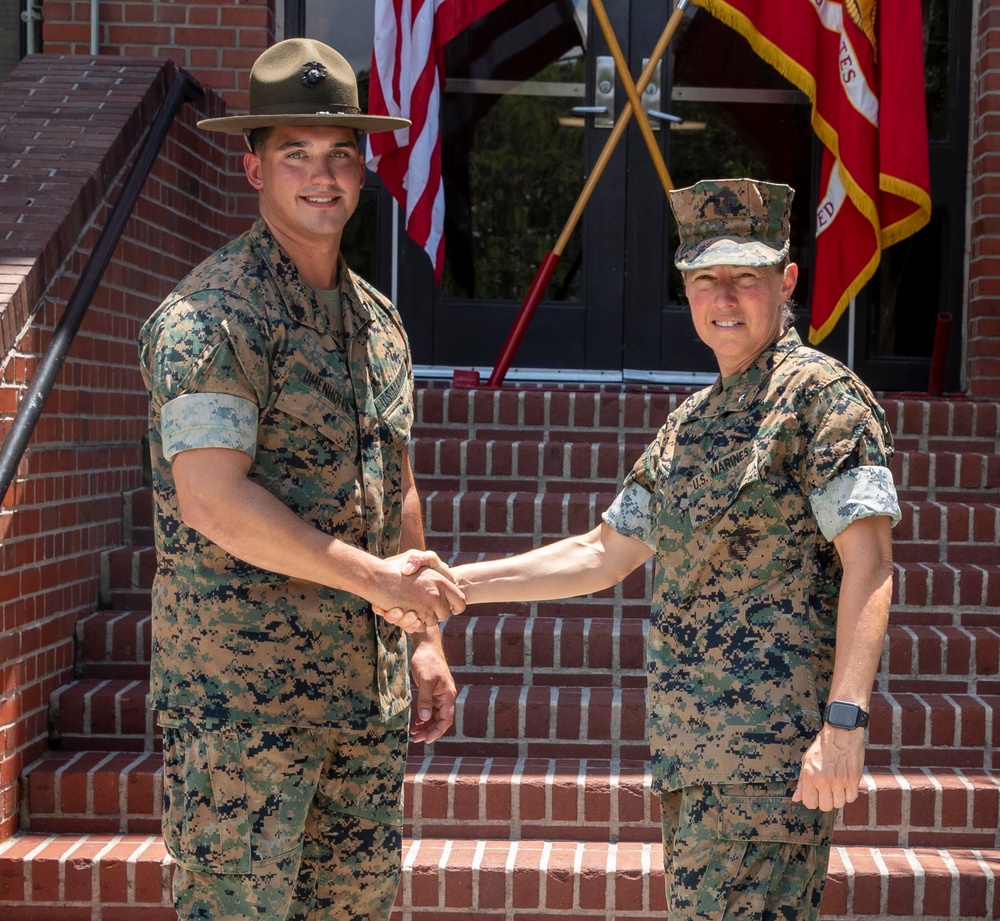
318	412
310	451
739	532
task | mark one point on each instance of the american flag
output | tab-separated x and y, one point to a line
407	77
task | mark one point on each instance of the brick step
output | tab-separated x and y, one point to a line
510	521
122	793
947	476
941	659
504	649
93	792
533	465
906	730
948	532
560	799
103	714
543	651
591	652
495	880
603	800
127	577
543	465
568	415
113	644
113	877
81	877
918	423
508	721
957	594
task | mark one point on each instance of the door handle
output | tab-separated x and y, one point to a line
604	89
664	116
604	96
651	96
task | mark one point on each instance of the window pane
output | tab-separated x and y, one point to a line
346	25
937	22
512	150
511	182
905	295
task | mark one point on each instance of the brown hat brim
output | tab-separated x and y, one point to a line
370	124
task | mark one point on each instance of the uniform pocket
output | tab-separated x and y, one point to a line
206	821
768	817
769	854
307	405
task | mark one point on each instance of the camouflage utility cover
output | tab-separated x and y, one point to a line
743	620
231	641
731	222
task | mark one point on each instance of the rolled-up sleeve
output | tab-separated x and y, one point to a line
631	514
208	420
860	492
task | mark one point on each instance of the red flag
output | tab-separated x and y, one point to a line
860	62
406	80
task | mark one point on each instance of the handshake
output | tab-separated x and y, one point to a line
416	591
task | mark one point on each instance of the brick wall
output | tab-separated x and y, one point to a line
983	326
68	129
216	43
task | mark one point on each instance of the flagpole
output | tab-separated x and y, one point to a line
394	283
547	267
850	334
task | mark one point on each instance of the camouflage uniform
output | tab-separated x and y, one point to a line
250	667
740	496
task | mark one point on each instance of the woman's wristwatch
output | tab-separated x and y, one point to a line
842	715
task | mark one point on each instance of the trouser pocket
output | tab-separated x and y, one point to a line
206	824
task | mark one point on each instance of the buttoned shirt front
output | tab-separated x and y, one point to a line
242	355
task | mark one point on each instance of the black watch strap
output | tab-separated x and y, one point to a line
843	715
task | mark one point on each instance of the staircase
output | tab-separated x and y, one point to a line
538	803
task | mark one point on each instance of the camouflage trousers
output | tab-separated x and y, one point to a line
300	824
743	851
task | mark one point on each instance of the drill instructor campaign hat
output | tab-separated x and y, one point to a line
300	81
731	222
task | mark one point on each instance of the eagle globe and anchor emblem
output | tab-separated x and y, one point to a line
314	74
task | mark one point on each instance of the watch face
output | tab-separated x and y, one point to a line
842	715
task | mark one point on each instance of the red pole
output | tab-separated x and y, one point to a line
939	357
527	311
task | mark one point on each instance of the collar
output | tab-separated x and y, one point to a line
739	392
298	298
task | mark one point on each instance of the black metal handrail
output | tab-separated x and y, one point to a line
15	444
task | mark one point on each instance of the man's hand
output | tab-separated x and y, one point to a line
434	704
420	591
831	769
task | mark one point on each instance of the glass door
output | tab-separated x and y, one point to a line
521	124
